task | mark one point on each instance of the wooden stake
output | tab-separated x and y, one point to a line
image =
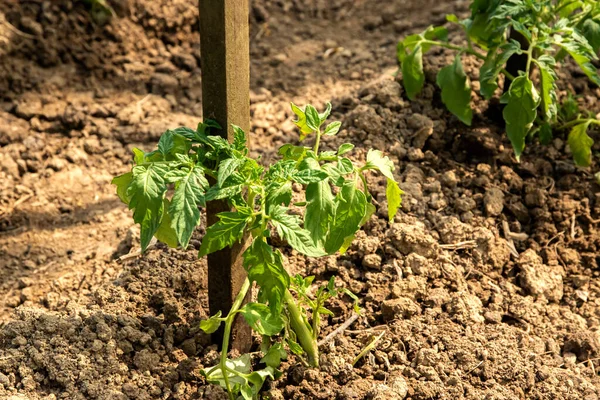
225	62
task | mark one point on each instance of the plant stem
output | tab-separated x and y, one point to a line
317	142
579	121
299	326
227	332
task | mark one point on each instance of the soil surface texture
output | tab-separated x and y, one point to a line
486	285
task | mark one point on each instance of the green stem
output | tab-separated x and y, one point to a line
316	321
227	333
317	142
579	121
302	332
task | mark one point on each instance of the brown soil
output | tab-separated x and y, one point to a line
486	284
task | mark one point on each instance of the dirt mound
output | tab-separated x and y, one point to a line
486	284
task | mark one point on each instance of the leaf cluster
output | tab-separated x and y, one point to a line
166	188
549	31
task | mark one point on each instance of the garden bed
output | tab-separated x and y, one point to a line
486	284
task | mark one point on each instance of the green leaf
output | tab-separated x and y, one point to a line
295	347
301	121
491	68
545	133
242	364
187	133
591	31
217	193
319	210
353	297
266	268
581	144
291	152
274	355
227	168
246	392
279	193
345	148
239	138
333	128
165	232
412	73
456	92
189	194
288	227
393	193
146	193
138	156
225	232
212	324
582	53
338	170
519	113
451	18
166	143
309	176
262	319
569	109
376	160
257	378
313	121
350	207
325	114
122	182
547	77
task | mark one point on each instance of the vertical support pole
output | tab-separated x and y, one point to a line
225	62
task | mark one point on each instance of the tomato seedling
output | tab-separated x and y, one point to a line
201	167
551	30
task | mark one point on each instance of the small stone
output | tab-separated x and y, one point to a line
187	369
372	261
569	358
492	317
76	155
29	25
9	165
4	380
465	204
418	264
162	84
493	202
57	163
449	179
24	282
466	308
146	360
539	279
91	145
535	197
415	154
422	127
402	307
185	61
189	347
278	59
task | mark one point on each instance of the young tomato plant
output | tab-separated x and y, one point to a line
551	30
200	167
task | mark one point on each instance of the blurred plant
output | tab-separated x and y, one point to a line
550	31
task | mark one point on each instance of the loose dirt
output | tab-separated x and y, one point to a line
486	284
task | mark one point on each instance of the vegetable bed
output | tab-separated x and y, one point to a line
484	286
